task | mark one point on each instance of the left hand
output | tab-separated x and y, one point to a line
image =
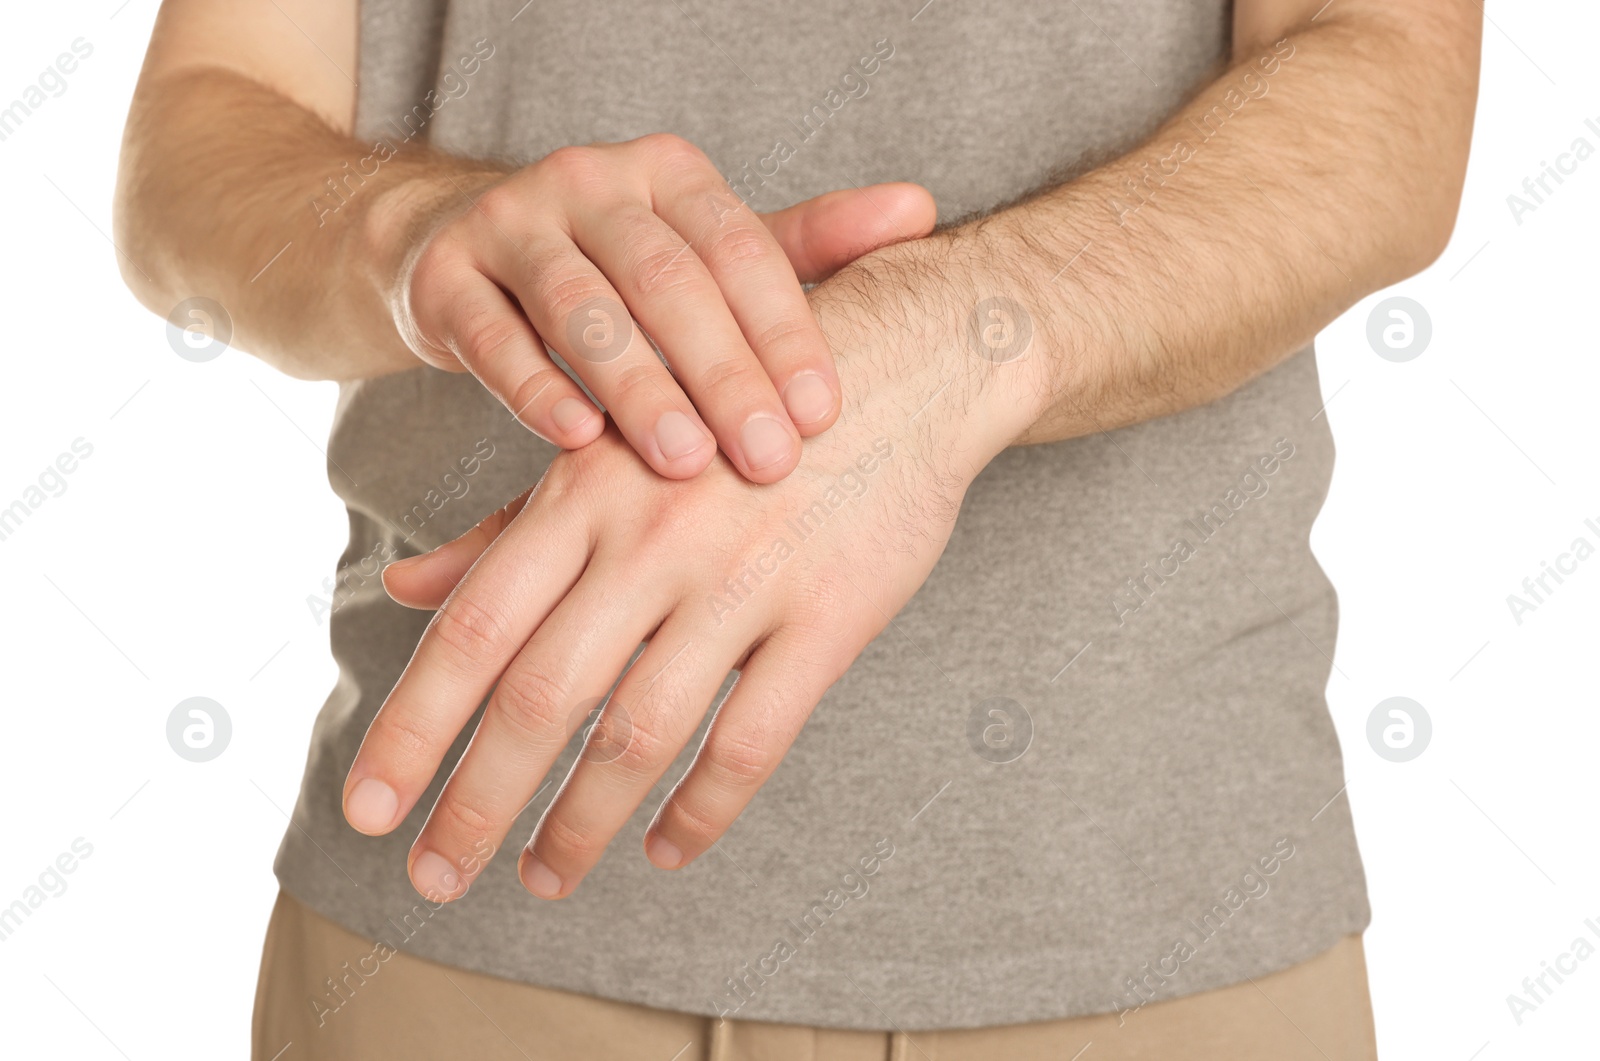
786	582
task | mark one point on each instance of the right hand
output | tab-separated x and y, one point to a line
542	605
562	252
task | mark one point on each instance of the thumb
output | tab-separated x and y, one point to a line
425	581
824	234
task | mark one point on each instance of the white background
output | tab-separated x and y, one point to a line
179	559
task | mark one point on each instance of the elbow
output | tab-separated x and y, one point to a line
1428	237
1436	218
1423	135
127	238
1420	219
134	232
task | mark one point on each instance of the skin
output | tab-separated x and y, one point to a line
1343	177
415	256
1157	282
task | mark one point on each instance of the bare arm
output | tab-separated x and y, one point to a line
238	120
1325	163
1334	169
339	259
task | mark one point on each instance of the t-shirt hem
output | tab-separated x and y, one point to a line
945	1002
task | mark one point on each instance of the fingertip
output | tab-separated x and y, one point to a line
389	576
768	449
576	422
683	448
435	879
663	853
398	580
399	569
371	806
812	402
918	207
901	211
539	879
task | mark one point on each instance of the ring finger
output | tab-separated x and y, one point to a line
652	714
583	319
538	704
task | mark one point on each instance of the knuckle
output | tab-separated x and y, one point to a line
504	204
464	820
635	384
485	333
685	816
644	754
738	374
668	269
672	149
533	703
737	759
792	332
473	631
566	842
563	292
402	738
739	245
574	164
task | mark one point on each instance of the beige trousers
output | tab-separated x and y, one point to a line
412	1009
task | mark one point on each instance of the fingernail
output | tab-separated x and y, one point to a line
371	806
436	878
677	435
404	563
570	414
539	878
807	398
663	853
765	442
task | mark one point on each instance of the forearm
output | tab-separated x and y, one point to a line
229	190
1287	190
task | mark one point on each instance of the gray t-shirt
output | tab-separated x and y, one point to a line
1090	763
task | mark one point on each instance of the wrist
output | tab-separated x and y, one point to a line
930	335
400	218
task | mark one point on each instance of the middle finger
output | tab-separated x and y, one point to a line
662	699
667	286
538	704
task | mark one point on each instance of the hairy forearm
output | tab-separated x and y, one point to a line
1307	176
228	190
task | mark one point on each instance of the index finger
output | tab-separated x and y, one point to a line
472	639
761	289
